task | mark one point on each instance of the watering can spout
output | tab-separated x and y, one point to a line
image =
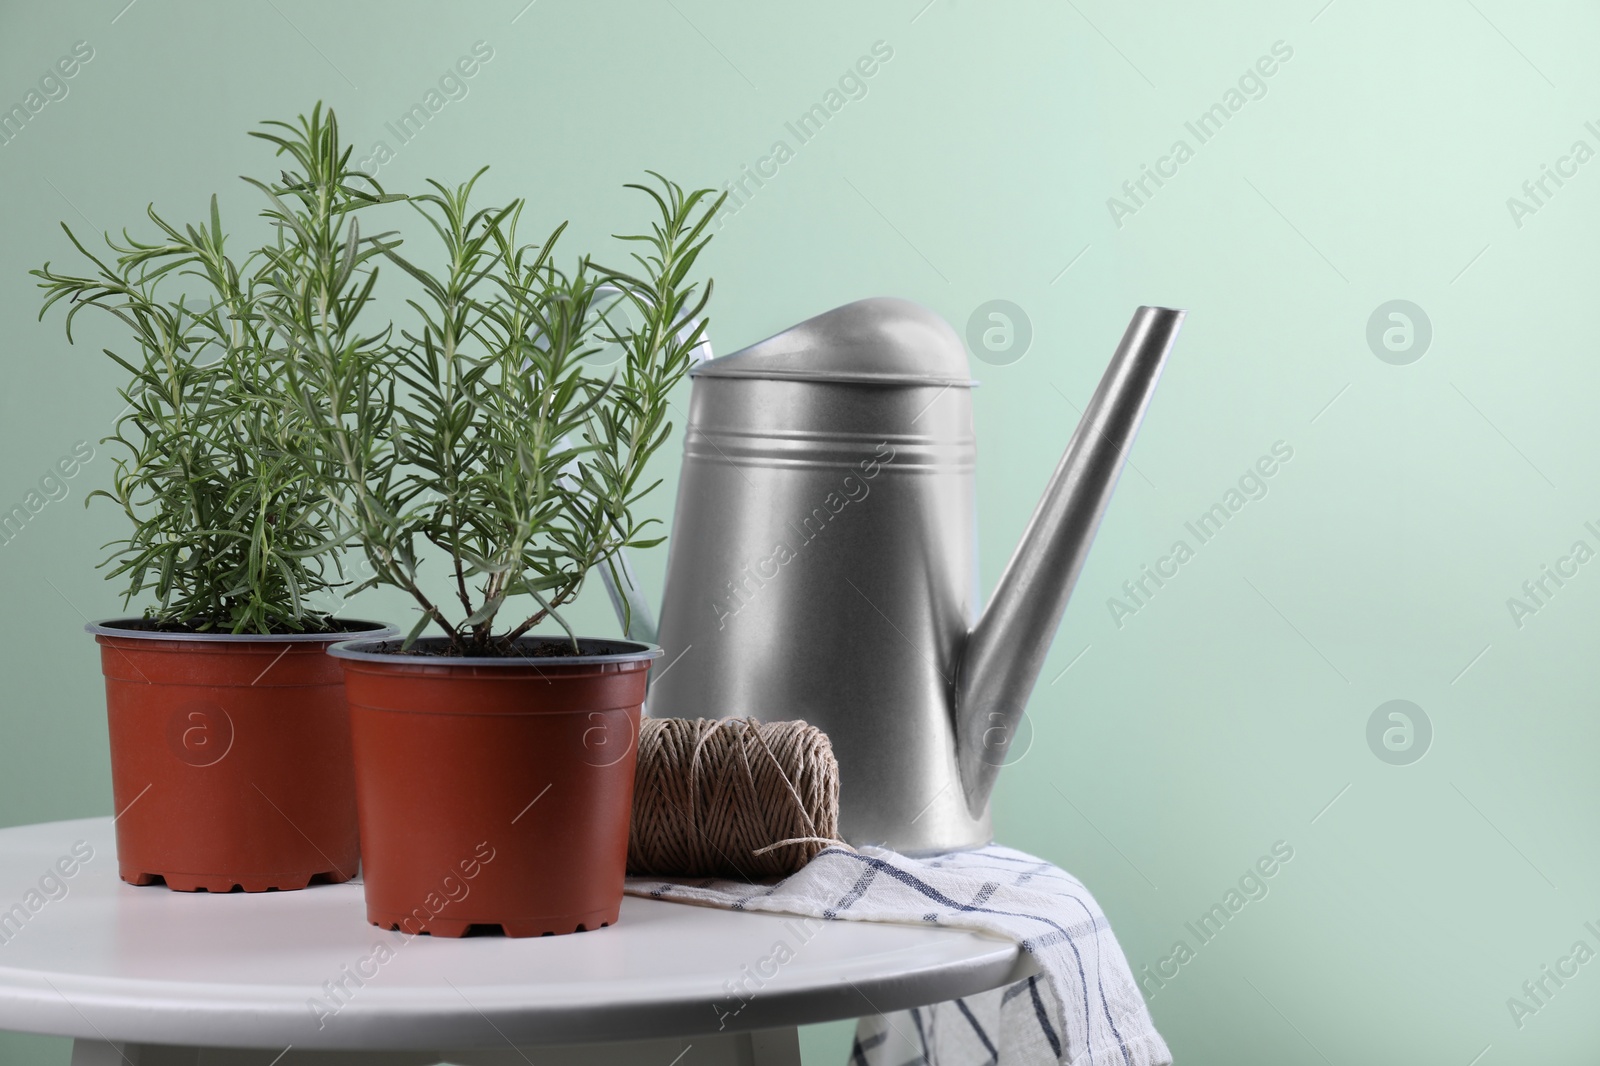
1006	649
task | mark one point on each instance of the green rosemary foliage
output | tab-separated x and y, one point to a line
231	530
268	429
479	428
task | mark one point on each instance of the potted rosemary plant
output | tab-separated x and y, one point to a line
230	749
485	467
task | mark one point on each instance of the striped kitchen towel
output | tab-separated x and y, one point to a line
1083	1009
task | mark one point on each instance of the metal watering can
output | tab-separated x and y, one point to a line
823	558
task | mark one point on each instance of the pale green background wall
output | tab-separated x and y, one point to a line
1230	711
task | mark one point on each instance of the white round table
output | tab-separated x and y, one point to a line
151	977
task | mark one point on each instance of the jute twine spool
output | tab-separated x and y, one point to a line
731	798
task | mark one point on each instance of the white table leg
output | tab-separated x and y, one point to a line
767	1047
103	1053
775	1047
107	1053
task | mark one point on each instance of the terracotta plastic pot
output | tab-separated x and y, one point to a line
230	758
494	792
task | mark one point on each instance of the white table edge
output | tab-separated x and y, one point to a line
34	1001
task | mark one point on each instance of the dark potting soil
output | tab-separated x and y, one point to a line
525	648
313	627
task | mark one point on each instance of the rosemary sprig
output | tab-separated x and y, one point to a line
230	528
270	426
478	429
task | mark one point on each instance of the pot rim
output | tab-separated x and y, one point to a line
360	651
116	627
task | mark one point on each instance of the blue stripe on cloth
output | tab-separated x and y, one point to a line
849	899
859	1049
741	904
1099	982
1029	875
1023	860
922	1034
1034	943
988	1045
1043	1017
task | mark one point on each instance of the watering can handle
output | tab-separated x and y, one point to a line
633	609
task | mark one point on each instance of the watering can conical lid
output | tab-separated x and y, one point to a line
879	341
